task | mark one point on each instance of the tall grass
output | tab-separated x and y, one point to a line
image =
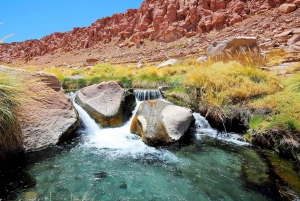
230	83
10	131
294	68
247	59
127	76
276	57
6	37
60	73
293	83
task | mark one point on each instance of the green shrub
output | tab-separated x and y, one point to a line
256	122
72	84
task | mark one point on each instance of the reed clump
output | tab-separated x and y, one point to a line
10	131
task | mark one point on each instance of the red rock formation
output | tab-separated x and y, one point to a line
158	20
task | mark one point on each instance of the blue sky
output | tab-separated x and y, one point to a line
34	19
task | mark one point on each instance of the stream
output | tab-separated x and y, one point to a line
113	164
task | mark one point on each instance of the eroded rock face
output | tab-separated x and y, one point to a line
46	114
158	20
158	122
107	102
233	46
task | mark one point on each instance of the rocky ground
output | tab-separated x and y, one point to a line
160	30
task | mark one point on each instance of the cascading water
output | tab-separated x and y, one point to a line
147	94
89	124
119	141
204	129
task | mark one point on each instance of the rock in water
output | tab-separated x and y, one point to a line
234	46
46	114
107	102
159	122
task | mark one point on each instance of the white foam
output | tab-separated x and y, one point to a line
204	129
90	125
118	142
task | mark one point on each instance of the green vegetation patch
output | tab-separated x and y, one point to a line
293	83
256	122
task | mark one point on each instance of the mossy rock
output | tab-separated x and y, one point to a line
288	172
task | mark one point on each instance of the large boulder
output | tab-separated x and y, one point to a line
234	46
108	103
287	7
46	114
159	122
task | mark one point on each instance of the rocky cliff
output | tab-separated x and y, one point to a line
157	20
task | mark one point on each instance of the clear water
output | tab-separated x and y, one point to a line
195	172
112	164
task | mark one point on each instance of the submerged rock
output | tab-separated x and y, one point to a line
46	114
159	122
288	174
108	103
30	196
123	185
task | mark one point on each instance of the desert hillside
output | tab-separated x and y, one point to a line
159	30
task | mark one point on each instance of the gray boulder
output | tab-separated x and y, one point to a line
234	46
46	114
159	122
108	103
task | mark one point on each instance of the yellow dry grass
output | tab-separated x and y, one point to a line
60	73
231	83
276	57
294	68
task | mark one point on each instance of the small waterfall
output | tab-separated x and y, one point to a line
117	142
204	129
89	124
147	94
